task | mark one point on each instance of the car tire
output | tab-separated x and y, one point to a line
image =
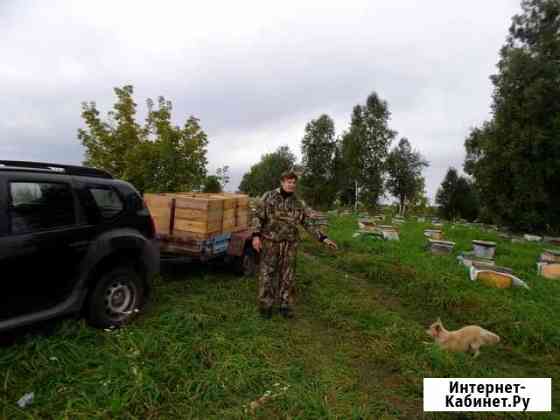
115	298
245	265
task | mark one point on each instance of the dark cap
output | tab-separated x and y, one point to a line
289	174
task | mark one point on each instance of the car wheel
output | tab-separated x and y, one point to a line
116	298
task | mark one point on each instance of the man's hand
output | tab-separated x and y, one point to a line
330	243
257	244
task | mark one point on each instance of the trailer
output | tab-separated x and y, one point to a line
204	227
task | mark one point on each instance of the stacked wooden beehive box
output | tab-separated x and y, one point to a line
198	216
549	264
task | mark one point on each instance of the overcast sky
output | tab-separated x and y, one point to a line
254	73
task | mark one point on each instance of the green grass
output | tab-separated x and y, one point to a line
357	349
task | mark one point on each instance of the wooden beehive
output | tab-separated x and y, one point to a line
236	212
198	216
550	256
484	249
435	234
549	270
160	209
439	247
500	279
495	279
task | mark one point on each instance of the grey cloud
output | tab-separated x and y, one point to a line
253	73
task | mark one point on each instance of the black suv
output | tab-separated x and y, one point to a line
72	239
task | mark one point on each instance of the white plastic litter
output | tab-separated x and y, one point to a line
26	400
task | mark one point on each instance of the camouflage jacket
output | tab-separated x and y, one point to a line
277	218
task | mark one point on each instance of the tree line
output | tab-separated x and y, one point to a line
354	168
513	159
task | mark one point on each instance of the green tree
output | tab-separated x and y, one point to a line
457	197
222	174
405	180
110	143
365	147
265	175
181	152
344	186
318	151
212	184
421	204
158	156
514	158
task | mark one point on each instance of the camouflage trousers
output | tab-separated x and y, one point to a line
276	274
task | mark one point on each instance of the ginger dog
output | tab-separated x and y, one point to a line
467	339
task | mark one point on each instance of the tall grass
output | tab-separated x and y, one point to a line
357	348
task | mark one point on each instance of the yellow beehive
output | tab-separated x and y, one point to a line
495	279
549	271
435	234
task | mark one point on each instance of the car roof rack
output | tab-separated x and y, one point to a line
17	165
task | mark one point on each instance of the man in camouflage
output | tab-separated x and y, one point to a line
276	238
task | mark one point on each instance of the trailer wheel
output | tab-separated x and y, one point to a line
246	264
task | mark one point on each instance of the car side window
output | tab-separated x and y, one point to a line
37	206
108	201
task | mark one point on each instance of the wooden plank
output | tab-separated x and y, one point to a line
242	214
230	213
226	227
186	240
160	214
242	203
199	227
156	201
242	200
198	203
180	249
160	209
232	200
158	205
229	201
162	225
231	226
202	215
185	235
